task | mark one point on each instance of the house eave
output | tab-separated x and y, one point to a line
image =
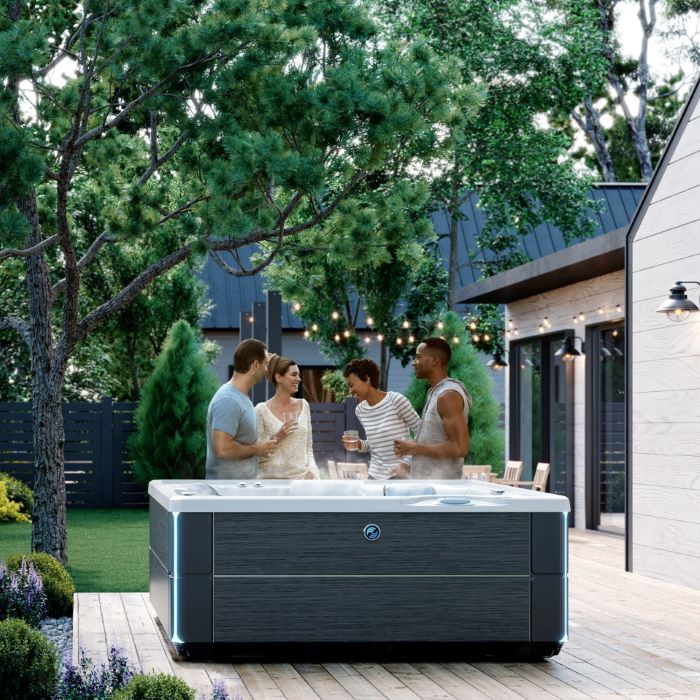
592	258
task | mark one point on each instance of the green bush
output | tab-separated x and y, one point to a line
10	510
28	662
171	418
19	492
58	583
487	439
158	686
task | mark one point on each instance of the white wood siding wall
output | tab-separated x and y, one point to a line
666	375
560	306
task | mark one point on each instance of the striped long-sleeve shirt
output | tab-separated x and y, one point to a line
386	421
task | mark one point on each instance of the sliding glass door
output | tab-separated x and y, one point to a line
541	410
605	464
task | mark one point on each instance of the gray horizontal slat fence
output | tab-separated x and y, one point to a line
97	463
98	466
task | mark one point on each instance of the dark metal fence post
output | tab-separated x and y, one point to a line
104	462
259	323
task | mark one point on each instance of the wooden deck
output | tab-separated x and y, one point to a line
630	637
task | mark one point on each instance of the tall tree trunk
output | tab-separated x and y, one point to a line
384	359
591	126
49	521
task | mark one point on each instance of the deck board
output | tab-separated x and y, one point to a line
630	637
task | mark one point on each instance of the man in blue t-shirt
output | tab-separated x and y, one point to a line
232	427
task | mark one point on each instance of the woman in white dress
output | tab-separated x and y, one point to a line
288	420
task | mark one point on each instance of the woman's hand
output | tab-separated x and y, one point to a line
286	430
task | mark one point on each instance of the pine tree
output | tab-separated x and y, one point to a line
487	439
170	439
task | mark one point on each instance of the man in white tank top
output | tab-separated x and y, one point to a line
442	441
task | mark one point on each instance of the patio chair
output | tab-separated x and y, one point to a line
539	482
349	470
512	473
476	471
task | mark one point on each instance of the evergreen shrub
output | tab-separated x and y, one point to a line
18	492
159	686
58	583
170	439
10	510
28	662
487	440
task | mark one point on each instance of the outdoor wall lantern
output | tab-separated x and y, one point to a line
568	350
497	363
678	307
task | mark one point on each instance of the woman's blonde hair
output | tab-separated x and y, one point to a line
276	364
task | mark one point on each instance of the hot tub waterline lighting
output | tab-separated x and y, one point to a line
176	545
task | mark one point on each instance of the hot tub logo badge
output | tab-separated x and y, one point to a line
372	532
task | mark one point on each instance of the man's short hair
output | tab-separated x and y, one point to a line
439	347
363	369
246	353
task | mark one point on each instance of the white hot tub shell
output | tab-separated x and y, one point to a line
252	568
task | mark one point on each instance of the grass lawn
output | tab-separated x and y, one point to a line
107	547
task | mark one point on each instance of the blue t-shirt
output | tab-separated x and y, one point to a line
232	412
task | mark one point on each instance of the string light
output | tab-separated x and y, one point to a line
575	319
546	322
615	333
411	339
540	328
487	337
475	338
337	338
306	334
440	325
335	315
367	340
314	327
380	337
516	331
455	340
581	316
399	341
346	333
406	324
472	326
296	306
618	308
251	319
600	310
510	323
370	321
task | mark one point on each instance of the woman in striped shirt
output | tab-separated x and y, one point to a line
385	415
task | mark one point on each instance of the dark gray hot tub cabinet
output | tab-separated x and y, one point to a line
250	583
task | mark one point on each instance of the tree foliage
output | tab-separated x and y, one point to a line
192	128
487	439
527	60
170	439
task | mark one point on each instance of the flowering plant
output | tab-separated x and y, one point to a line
86	681
22	594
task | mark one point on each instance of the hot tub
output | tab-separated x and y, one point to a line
358	568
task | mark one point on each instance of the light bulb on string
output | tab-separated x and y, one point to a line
440	325
399	341
370	321
546	322
618	308
411	339
314	327
581	316
487	337
475	338
346	333
600	310
306	334
336	338
296	306
380	337
367	340
406	324
455	339
335	315
472	326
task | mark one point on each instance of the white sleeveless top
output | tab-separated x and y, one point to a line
431	430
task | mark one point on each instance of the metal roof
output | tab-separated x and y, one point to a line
231	294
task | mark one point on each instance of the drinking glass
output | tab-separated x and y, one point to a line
351	440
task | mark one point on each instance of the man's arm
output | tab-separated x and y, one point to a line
450	406
226	447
